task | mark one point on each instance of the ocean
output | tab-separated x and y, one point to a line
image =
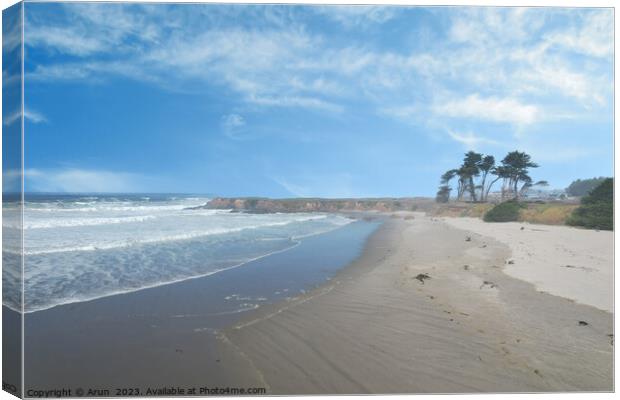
84	247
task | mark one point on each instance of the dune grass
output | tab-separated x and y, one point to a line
550	213
535	213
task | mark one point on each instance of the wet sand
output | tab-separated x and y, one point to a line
382	327
170	335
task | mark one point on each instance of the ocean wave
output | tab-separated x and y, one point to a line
13	303
31	222
96	207
179	236
68	222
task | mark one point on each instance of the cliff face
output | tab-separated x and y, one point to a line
260	205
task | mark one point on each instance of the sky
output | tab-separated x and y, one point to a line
328	101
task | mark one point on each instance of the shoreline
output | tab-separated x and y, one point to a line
377	325
169	334
296	242
350	271
483	330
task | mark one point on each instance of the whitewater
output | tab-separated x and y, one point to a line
80	248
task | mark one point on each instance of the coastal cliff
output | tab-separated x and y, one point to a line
264	205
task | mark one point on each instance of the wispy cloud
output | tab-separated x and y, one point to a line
593	37
65	40
500	65
34	117
82	180
495	109
231	124
358	15
469	140
30	115
11	118
332	185
12	33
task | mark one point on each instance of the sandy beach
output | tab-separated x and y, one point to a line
440	306
568	262
427	305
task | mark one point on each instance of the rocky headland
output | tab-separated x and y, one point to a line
265	205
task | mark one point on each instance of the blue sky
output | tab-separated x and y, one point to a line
326	101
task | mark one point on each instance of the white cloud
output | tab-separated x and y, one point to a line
294	189
93	28
82	180
34	116
231	124
12	118
232	121
543	76
295	101
594	37
503	54
469	140
11	32
30	115
332	185
494	109
358	16
64	40
486	26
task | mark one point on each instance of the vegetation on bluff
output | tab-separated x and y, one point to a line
536	213
504	212
581	187
597	208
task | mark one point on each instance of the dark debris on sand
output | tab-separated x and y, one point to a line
422	277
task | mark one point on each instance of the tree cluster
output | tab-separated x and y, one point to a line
582	187
478	173
597	208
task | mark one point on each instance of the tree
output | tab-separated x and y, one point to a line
529	185
448	176
514	171
443	194
502	173
517	166
485	166
471	169
582	187
597	208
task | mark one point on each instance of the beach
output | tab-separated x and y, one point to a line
423	305
170	335
430	307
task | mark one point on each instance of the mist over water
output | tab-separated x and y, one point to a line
79	248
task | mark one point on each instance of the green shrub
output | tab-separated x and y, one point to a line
504	212
583	187
597	208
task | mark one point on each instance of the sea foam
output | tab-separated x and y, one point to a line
82	248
